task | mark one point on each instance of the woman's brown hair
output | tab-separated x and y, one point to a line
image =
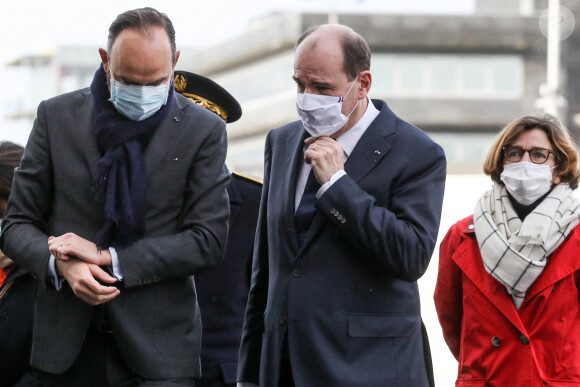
564	148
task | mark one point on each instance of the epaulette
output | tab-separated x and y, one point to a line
248	178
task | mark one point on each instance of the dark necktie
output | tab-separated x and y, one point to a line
306	210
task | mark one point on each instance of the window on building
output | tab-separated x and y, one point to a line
444	76
448	76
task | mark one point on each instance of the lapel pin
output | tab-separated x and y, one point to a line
176	119
377	152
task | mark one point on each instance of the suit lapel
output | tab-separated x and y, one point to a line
368	152
372	146
85	124
294	160
161	141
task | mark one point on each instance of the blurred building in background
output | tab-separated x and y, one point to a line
32	79
460	78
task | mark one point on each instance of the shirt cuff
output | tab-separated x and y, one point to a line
337	175
117	273
56	280
246	384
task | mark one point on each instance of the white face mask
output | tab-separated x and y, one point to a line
322	115
527	182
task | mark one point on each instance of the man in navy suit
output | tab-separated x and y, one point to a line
348	220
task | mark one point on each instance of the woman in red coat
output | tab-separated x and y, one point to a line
507	293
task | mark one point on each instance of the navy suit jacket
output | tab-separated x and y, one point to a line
347	300
222	292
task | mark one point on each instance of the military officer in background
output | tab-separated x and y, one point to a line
222	292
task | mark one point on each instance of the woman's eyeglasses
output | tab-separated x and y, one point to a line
537	155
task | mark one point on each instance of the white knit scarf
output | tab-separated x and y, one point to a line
514	252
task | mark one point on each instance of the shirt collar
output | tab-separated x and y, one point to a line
350	138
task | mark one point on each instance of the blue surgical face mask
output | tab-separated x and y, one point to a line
138	102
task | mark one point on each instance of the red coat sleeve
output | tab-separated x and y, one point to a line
448	290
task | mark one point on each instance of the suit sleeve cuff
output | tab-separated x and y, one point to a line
337	175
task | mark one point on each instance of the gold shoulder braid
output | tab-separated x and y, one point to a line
180	83
206	103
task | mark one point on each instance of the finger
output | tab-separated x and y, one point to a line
92	292
93	289
53	241
102	275
63	257
91	298
60	251
310	140
66	249
53	251
308	156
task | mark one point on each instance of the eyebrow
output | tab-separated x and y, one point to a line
325	85
130	81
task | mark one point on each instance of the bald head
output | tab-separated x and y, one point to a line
353	50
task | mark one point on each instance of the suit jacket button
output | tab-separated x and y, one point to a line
297	273
283	320
524	339
495	341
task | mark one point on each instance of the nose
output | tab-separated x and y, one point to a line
309	90
526	156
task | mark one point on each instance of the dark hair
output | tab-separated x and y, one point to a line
142	19
355	49
10	155
563	146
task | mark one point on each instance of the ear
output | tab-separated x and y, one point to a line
104	59
365	81
176	58
556	180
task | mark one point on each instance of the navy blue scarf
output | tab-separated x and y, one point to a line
120	177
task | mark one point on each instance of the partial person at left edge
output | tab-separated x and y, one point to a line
17	292
119	200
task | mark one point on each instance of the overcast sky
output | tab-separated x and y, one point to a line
34	26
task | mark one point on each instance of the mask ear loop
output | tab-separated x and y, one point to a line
341	99
355	105
357	101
